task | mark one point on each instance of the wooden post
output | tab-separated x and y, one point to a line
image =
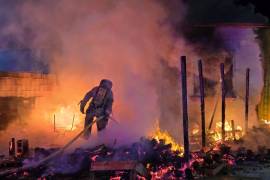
233	129
223	104
72	122
247	100
185	108
202	95
54	128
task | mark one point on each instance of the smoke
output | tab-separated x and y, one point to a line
246	52
87	41
240	46
124	41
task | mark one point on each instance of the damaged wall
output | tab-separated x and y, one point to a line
19	92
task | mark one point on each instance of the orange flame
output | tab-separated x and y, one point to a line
158	135
216	134
66	117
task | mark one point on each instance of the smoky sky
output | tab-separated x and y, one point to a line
222	11
16	39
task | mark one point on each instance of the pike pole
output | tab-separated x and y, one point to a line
50	157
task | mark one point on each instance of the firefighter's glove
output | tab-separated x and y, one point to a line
82	105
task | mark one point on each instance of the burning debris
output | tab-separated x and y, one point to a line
156	157
160	161
146	159
231	133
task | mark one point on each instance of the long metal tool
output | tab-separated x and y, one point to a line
50	157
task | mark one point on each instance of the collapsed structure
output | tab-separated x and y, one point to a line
152	157
147	159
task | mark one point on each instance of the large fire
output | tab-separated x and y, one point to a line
214	136
65	118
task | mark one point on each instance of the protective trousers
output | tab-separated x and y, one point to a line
101	123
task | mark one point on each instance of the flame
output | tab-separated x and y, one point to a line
216	136
195	131
266	121
167	138
66	117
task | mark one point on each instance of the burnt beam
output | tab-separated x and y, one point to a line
185	107
247	99
223	103
202	95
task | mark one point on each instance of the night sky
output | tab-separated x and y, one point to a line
260	6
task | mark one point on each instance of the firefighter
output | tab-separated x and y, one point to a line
100	105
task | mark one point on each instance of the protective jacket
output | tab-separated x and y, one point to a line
100	105
102	99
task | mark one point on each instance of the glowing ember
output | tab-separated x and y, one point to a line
161	172
115	178
94	158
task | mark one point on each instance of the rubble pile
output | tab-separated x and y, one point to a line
157	157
